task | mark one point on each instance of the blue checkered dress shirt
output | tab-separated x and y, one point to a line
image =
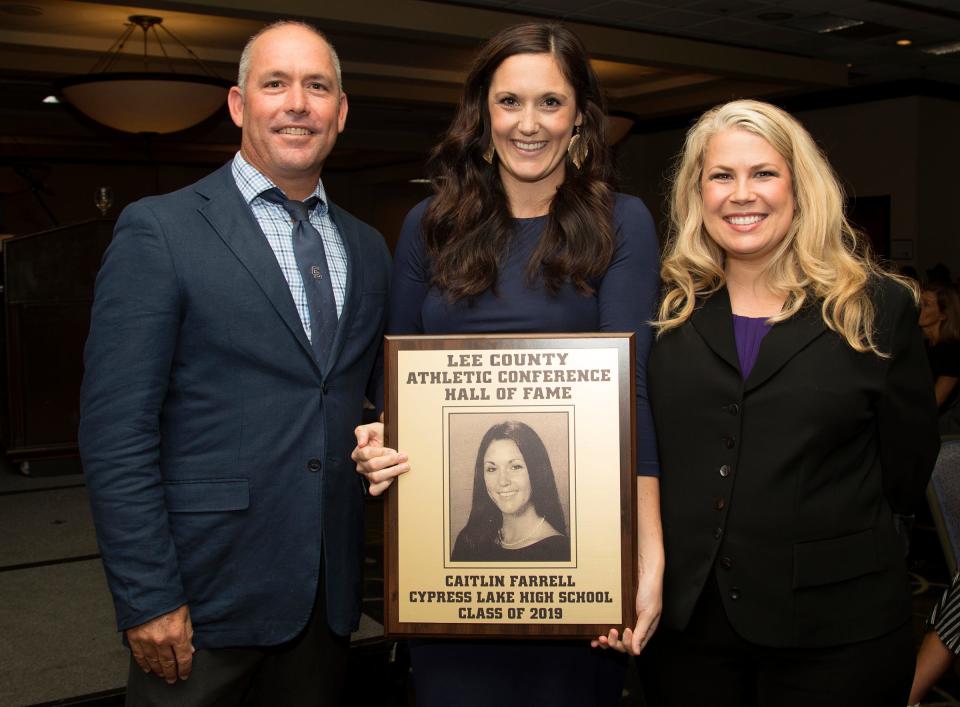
278	228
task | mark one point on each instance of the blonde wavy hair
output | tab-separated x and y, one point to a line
821	258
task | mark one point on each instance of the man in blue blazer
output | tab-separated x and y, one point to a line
217	417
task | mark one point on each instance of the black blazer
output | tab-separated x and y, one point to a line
784	485
216	448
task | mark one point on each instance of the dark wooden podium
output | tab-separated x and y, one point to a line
48	291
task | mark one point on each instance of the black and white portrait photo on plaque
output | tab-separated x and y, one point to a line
509	486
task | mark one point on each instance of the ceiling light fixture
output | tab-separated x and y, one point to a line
146	101
51	99
904	42
941	49
835	23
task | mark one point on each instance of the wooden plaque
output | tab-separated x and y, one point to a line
517	517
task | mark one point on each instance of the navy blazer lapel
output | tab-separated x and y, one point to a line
351	243
713	320
784	341
231	217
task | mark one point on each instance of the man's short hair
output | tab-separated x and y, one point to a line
244	69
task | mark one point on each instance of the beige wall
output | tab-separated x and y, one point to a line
644	163
907	148
938	183
874	147
382	198
72	187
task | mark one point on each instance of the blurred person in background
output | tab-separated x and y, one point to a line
940	322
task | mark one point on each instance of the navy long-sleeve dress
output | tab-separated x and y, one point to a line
458	672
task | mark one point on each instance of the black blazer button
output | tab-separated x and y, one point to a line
734	593
725	470
726	562
314	464
717	533
324	387
729	441
719	504
733	409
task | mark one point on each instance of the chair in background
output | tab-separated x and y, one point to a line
943	494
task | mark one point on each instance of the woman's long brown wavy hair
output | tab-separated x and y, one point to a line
467	227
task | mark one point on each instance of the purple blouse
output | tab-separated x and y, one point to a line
749	332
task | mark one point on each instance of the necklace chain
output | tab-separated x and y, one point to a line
503	543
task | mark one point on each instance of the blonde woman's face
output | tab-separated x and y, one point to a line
747	190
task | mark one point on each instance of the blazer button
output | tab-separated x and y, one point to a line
734	593
729	441
314	464
733	409
726	562
725	470
719	504
718	533
324	387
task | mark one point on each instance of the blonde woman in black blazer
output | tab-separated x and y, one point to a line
795	416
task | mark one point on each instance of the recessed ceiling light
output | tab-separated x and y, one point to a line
940	49
51	99
22	10
835	23
419	180
904	42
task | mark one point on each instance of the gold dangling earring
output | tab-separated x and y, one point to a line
488	155
577	149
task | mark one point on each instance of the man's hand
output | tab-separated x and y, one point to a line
164	645
378	463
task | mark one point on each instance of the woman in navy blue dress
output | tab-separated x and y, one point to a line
525	234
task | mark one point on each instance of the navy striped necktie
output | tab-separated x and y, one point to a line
312	263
